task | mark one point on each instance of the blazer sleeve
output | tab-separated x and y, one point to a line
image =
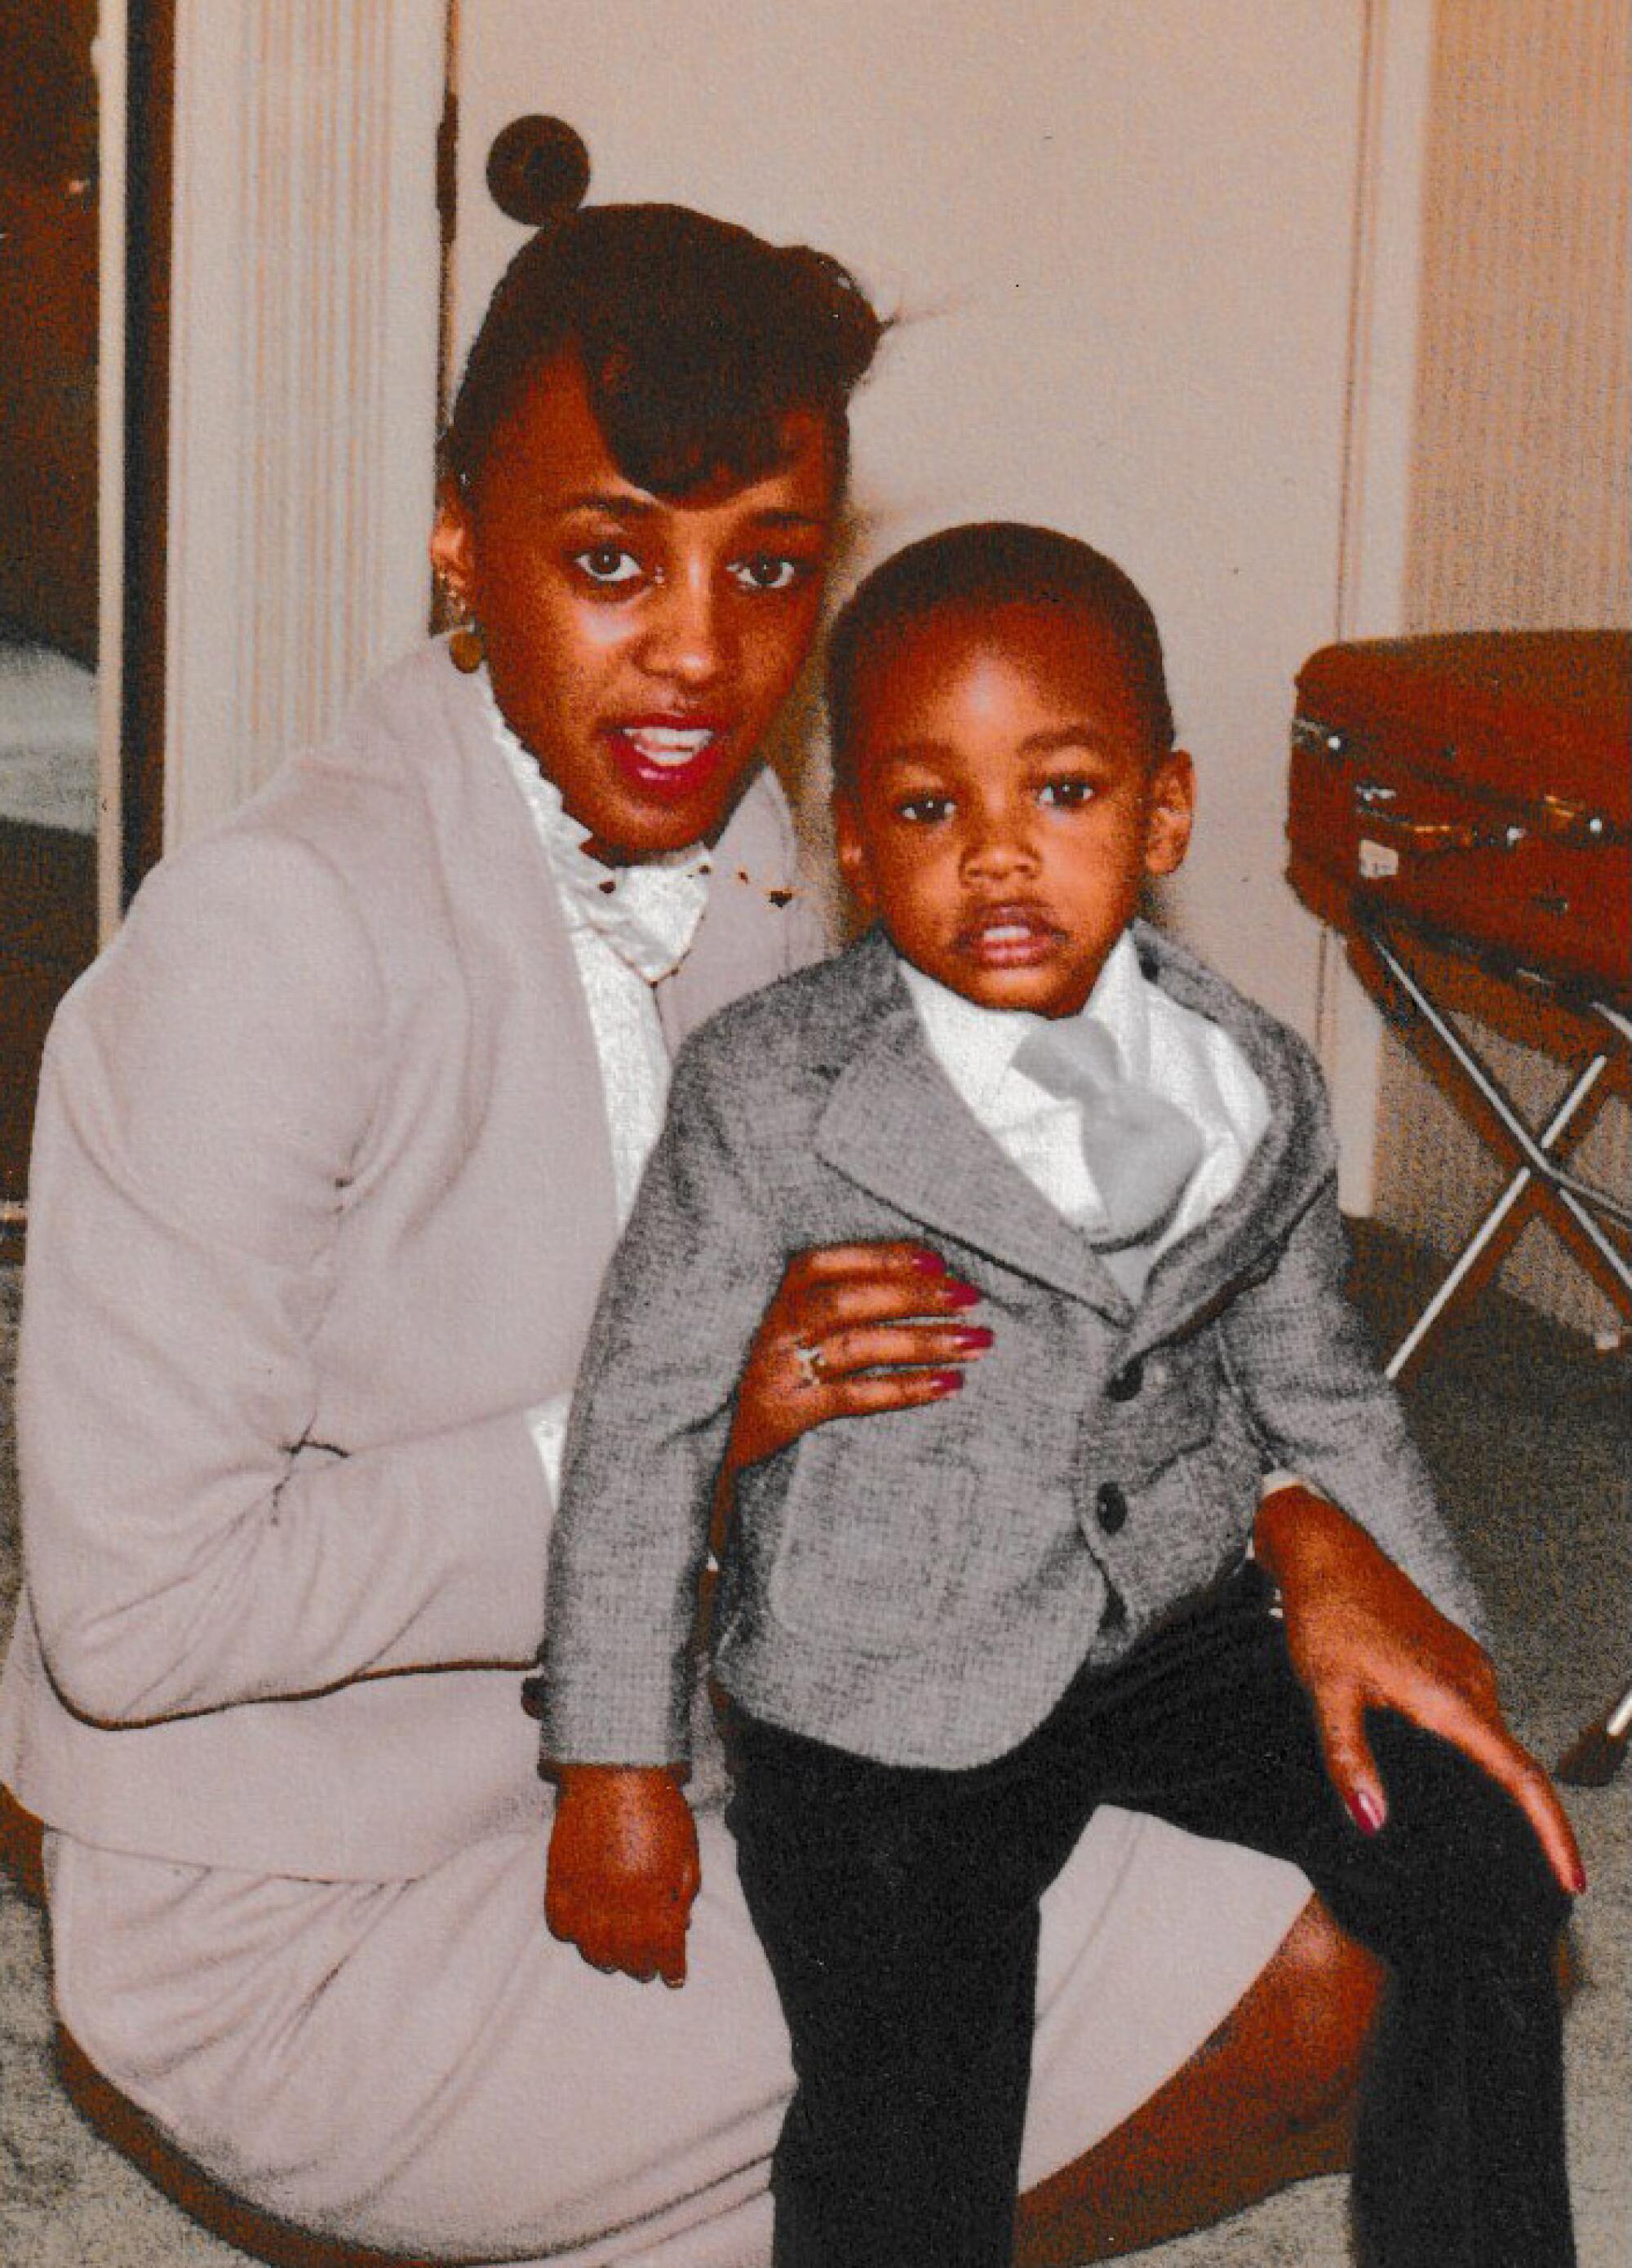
1300	1355
691	1281
205	1093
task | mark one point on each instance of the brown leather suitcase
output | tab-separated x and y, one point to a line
1477	786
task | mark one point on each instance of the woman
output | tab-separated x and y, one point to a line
332	1147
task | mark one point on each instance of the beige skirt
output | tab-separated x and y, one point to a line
419	2066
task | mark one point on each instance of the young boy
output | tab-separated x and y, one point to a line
946	1634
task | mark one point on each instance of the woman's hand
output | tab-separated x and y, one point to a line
1361	1636
852	1328
622	1869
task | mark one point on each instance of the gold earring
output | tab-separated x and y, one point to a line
465	649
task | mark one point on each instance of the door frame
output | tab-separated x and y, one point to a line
303	278
138	53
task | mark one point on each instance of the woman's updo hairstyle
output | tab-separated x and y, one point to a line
697	339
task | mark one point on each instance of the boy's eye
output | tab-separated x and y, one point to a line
925	810
768	570
607	562
1067	793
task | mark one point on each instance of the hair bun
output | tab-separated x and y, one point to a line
537	170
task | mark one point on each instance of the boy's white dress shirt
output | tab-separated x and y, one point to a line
1165	1048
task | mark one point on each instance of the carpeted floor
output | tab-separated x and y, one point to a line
1526	1429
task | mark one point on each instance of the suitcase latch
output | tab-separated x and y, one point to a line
1575	824
1431	838
1320	740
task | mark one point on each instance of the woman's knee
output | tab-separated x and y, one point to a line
1267	2100
1315	2005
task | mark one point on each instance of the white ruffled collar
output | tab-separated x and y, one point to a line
648	912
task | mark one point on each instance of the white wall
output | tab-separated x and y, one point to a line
1120	235
1520	519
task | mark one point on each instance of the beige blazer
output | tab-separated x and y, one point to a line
320	1204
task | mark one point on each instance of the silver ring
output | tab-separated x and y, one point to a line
809	1361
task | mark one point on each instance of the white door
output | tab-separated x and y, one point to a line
1117	235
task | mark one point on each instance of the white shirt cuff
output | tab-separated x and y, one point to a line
1278	1479
547	1424
1271	1482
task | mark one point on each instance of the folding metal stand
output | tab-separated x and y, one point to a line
1583	1207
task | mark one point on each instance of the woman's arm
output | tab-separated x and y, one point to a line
1379	1609
206	1099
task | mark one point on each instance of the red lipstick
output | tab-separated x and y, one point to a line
667	755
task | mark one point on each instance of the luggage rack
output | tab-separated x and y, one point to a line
1584	1208
1466	794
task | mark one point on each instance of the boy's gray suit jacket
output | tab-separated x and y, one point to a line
920	1586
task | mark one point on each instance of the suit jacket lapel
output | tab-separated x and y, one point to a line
507	911
1294	1156
894	1126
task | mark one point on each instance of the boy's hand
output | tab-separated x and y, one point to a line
1361	1636
622	1869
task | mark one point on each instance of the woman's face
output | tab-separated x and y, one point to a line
638	646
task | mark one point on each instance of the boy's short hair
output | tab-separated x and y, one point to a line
696	338
987	564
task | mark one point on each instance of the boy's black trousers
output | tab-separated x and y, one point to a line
898	1910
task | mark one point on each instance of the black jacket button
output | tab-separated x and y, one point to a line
1126	1383
1112	1506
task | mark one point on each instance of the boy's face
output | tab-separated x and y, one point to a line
1008	802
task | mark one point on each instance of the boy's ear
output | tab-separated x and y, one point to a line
1172	813
453	545
854	863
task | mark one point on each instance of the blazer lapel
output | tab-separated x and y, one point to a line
895	1126
1294	1155
508	912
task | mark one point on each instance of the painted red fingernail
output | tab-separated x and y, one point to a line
1367	1810
930	1262
947	1381
962	1295
973	1338
1578	1879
